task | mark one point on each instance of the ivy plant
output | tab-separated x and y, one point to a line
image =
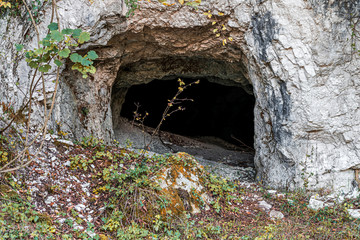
58	46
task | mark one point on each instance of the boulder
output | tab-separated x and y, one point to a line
315	204
354	213
276	215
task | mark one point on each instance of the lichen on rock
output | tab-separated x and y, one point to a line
182	183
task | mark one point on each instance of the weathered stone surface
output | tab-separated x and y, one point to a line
276	215
228	172
265	206
294	55
183	186
315	204
354	213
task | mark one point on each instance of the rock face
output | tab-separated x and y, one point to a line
295	56
181	183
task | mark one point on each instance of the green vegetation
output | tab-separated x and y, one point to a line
18	219
125	192
56	47
51	52
130	204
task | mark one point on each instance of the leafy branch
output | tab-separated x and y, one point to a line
56	47
355	32
53	50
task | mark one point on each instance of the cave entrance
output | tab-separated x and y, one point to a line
221	114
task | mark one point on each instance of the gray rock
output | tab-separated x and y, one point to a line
49	200
354	213
271	191
315	204
90	233
276	215
264	206
76	226
228	172
66	142
182	185
80	207
61	220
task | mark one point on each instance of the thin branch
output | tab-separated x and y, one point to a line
33	22
166	113
28	102
242	143
44	128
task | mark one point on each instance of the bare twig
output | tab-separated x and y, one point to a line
242	143
33	22
174	101
43	130
47	114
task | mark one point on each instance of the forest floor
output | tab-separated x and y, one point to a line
89	190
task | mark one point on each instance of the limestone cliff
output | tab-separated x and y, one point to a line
295	56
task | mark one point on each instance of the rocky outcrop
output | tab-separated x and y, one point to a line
294	56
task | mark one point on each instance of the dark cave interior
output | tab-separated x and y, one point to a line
225	112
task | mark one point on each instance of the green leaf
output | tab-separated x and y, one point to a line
54	49
92	70
45	57
19	47
76	58
28	54
33	64
57	36
53	26
48	37
38	51
86	62
92	55
45	42
58	63
76	33
84	37
64	53
45	68
75	66
67	31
